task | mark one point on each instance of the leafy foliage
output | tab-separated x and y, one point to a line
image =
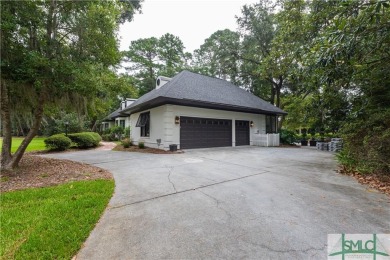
85	139
151	57
58	142
127	142
56	54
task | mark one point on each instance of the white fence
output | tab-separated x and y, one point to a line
266	140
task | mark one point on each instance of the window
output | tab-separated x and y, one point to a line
270	124
122	123
144	123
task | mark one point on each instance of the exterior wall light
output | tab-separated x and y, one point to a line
251	123
177	120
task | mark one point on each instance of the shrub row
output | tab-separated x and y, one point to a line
85	139
60	142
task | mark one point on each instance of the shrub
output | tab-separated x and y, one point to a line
127	143
141	145
107	137
127	132
86	139
58	142
287	136
366	146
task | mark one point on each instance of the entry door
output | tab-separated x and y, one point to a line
242	132
204	132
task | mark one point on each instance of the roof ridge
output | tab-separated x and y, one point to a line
174	79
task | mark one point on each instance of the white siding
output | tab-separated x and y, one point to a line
162	124
157	128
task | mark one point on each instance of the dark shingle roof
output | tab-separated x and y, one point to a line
195	89
113	115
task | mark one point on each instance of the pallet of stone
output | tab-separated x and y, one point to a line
335	145
323	146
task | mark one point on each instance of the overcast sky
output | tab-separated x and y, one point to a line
192	21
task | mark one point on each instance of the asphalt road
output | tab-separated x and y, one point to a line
230	203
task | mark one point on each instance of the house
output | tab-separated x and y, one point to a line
116	118
197	111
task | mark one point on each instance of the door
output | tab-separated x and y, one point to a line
204	132
242	132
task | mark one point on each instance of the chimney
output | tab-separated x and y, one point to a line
123	105
129	101
161	81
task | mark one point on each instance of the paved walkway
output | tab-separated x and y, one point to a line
228	203
106	146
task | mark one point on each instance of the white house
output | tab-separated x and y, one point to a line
196	111
116	118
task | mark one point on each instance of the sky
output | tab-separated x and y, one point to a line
192	21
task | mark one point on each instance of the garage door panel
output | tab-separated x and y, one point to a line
204	132
242	132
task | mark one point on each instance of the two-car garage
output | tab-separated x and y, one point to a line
208	132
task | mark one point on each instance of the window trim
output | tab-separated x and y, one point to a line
144	123
271	124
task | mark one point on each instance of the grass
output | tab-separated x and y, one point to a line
37	144
51	222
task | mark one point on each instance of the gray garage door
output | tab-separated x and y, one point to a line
242	132
204	132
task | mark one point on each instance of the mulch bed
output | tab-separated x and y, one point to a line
379	182
144	150
36	171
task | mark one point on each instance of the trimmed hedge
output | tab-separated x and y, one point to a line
85	139
58	142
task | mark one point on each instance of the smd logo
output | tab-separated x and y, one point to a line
359	246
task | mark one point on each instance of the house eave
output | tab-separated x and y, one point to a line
195	103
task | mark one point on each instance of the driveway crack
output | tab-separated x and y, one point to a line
217	203
170	169
187	190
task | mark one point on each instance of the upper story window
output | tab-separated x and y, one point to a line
271	124
144	122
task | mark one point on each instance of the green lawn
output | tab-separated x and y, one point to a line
52	222
37	144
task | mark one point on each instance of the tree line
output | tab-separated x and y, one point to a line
324	62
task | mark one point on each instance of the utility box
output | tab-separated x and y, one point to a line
173	147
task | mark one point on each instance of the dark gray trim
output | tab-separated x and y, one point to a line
192	103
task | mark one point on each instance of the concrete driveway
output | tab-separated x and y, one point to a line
230	203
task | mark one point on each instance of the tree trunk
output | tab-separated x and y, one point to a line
6	125
38	115
279	86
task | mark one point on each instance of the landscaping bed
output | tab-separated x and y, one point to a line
133	148
36	171
380	182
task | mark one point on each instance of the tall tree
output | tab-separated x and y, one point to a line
54	51
150	57
143	57
216	56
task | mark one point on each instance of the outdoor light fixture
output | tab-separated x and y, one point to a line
177	120
251	123
66	128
